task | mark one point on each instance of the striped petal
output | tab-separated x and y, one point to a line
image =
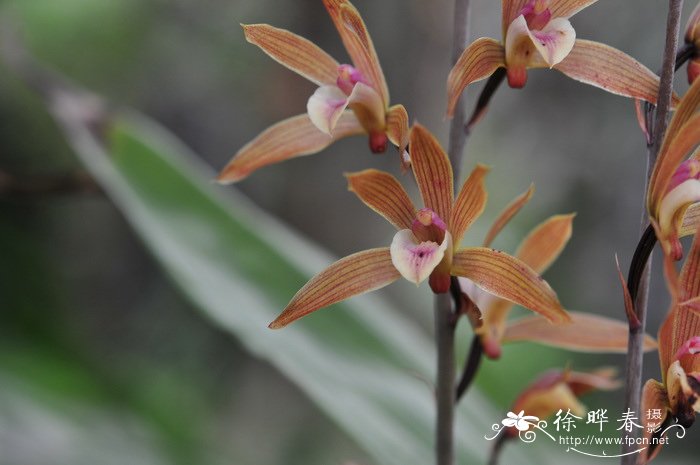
353	275
469	204
293	137
432	170
610	69
508	278
568	8
325	106
585	333
383	193
687	107
477	62
358	44
296	53
544	244
672	154
507	214
511	9
689	280
414	259
397	127
691	220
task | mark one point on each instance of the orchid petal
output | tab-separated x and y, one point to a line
603	379
293	137
353	275
521	52
544	244
691	220
511	9
384	194
296	53
547	395
654	397
673	206
508	278
610	69
680	325
477	62
555	41
358	43
687	107
568	8
415	260
325	106
672	154
689	280
432	170
677	388
692	27
397	126
469	204
507	214
585	333
368	107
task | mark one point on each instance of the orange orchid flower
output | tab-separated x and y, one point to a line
538	34
558	390
584	333
361	87
426	245
692	36
673	197
677	397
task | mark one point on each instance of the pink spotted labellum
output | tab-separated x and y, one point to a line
426	246
585	332
677	397
538	34
673	197
351	99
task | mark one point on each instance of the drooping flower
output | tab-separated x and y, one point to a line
538	34
677	397
674	189
351	99
426	245
584	333
558	390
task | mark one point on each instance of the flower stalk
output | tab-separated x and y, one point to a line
445	313
633	375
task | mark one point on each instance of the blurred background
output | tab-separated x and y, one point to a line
104	360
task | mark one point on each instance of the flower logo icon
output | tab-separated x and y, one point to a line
520	421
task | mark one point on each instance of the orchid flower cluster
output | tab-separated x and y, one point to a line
353	98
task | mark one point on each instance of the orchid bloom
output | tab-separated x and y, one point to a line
692	37
673	197
538	34
677	397
559	390
426	244
351	99
584	333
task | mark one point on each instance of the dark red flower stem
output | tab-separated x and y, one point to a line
635	344
471	367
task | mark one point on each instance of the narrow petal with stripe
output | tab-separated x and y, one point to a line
509	278
585	333
296	53
433	172
477	62
470	203
353	275
383	193
293	137
610	69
